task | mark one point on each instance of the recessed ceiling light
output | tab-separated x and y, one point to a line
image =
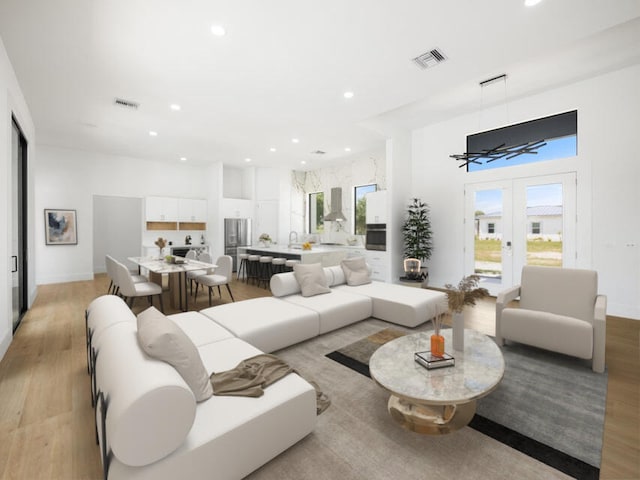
348	94
347	149
295	140
218	30
303	162
183	159
175	107
247	160
272	149
531	3
153	133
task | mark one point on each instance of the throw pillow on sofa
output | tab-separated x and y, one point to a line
161	338
356	271
311	278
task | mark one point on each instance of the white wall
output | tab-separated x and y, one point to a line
117	229
68	178
607	167
12	102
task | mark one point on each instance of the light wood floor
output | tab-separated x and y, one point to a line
46	419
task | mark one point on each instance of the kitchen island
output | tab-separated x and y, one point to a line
327	255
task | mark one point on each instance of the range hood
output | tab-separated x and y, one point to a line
336	214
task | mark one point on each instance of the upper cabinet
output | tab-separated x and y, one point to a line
169	213
377	207
192	210
161	209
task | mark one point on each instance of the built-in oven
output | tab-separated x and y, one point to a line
376	236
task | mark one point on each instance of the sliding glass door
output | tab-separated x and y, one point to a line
18	265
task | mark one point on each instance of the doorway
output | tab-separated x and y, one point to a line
517	222
19	261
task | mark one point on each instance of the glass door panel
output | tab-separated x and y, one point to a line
546	207
488	234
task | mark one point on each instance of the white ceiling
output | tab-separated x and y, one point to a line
282	68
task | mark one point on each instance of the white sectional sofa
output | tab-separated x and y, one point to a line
149	423
153	428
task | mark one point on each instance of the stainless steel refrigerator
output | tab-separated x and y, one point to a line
237	233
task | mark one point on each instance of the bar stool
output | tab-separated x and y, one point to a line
289	264
264	274
278	265
242	268
253	261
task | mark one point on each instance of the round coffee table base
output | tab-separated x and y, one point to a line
430	420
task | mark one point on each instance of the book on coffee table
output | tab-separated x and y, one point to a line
429	361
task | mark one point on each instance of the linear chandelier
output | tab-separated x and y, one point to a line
501	151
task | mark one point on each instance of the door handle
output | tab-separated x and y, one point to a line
15	263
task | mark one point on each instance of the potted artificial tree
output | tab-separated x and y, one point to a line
417	241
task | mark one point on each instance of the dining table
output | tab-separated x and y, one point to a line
176	269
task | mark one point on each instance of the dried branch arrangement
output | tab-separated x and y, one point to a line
466	293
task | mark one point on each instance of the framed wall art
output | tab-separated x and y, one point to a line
60	227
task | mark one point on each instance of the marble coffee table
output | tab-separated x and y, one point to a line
441	400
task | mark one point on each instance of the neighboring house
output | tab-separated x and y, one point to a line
543	222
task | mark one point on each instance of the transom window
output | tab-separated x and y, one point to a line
550	138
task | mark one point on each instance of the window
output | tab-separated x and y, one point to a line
536	228
360	207
316	212
559	133
491	228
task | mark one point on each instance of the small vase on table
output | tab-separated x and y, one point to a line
458	330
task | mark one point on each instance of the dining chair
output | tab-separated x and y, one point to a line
222	276
110	265
193	274
192	254
129	290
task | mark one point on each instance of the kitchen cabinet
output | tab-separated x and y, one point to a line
161	209
192	210
379	262
376	211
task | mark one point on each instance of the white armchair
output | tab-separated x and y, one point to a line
560	310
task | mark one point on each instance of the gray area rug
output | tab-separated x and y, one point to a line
552	405
356	438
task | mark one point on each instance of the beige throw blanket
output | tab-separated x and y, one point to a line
251	376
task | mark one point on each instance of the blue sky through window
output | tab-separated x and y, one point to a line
362	190
555	148
490	201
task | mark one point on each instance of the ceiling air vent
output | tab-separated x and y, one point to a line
318	152
127	103
430	59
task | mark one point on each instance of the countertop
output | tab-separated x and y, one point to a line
281	249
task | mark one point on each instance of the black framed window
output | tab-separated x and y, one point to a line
559	133
360	207
316	212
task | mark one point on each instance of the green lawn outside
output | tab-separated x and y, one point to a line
539	252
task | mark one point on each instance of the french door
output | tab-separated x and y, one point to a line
517	222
